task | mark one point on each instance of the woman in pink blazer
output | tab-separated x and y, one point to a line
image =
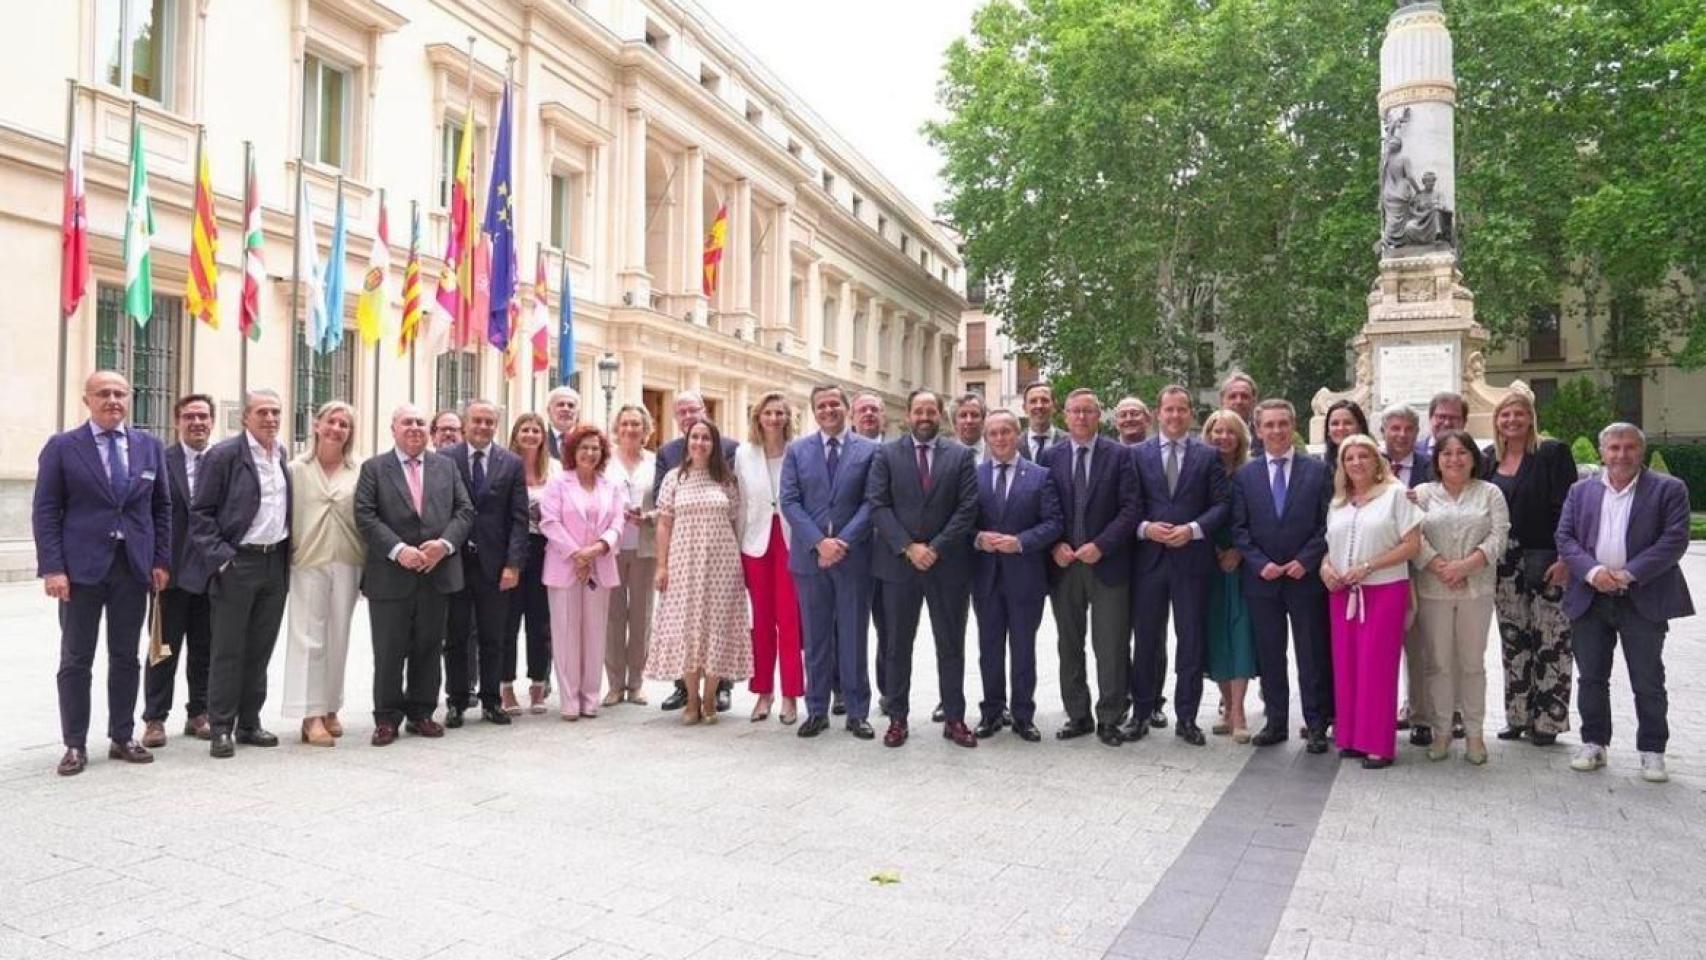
581	516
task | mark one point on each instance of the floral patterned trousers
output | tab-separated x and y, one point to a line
1535	642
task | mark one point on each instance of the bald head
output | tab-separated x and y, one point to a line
409	429
107	395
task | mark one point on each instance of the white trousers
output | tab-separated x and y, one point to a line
322	598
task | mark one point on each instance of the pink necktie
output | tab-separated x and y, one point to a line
415	483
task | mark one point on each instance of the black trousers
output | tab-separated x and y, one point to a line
186	626
1305	605
246	607
124	601
407	640
1609	622
948	601
878	621
528	600
1155	594
1007	622
473	641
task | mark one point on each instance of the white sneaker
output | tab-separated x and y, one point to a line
1653	767
1590	756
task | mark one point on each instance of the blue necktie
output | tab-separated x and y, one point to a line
479	472
118	472
1279	486
833	461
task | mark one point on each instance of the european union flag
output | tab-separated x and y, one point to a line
500	226
566	333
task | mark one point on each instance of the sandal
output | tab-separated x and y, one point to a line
637	698
761	709
333	727
790	711
507	701
536	698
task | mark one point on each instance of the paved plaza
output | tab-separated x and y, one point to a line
630	837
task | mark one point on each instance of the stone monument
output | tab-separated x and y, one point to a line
1421	337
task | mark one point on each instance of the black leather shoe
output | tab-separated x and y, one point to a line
1317	740
1268	736
453	717
676	700
988	728
471	702
1376	763
495	715
1027	731
860	728
221	746
1190	733
75	759
1542	739
256	737
1075	729
1511	733
1134	730
129	751
936	715
1157	719
1421	736
813	726
723	690
1348	754
1109	734
837	706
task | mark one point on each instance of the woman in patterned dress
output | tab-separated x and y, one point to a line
703	631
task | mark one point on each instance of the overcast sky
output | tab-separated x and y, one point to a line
868	67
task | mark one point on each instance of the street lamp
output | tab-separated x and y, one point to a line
607	367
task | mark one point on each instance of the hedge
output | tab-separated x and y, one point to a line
1687	462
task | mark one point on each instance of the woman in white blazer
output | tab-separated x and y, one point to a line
764	556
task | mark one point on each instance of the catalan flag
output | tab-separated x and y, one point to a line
714	243
411	288
456	281
370	306
201	288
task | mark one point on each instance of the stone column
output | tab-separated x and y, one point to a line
813	319
738	256
845	308
636	282
632	379
694	255
928	377
873	336
782	270
734	422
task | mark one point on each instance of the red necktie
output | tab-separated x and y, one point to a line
923	466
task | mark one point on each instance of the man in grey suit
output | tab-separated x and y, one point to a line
1041	434
923	497
411	508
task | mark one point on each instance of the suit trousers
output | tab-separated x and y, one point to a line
628	627
902	604
1084	604
880	622
775	618
248	602
1304	604
1413	673
1167	588
408	638
580	619
1612	620
1455	631
322	601
1007	622
473	641
124	602
834	612
527	602
186	626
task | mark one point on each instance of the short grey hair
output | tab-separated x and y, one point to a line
692	396
478	402
1401	411
1622	429
562	392
1133	401
256	394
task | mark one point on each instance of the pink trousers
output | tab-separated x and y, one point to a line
579	624
775	618
1366	647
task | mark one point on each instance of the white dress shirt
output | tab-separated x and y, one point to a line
1615	508
268	527
1182	444
192	466
403	460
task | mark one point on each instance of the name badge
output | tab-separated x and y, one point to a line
147	476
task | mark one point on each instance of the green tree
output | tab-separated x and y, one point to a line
1577	412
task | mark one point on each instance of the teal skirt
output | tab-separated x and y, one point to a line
1231	640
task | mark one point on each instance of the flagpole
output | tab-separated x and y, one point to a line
379	344
539	296
65	320
465	292
297	343
242	335
200	143
414	232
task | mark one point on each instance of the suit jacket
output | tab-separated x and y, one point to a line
1203	496
1112	507
759	504
671	455
1654	543
227	497
1056	436
75	513
1422	469
177	476
1538	492
1301	534
902	514
499	537
814	507
567	528
385	516
1032	512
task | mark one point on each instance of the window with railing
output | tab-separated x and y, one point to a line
147	356
458	379
318	377
1545	334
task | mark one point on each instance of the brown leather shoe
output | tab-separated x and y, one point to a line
333	727
154	734
425	727
75	759
957	731
384	735
198	727
896	733
130	752
315	734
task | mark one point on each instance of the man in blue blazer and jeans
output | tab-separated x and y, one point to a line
102	519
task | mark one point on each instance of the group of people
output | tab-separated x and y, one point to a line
769	559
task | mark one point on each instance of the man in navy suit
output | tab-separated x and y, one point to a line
491	565
1622	534
240	556
868	423
1091	575
1279	522
1041	435
829	521
186	624
922	490
1185	496
102	519
1018	523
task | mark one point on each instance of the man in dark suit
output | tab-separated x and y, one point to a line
923	497
186	624
102	519
1018	523
491	565
868	423
1279	522
1185	495
829	521
1446	411
412	510
1238	394
446	430
240	557
1399	427
1622	534
563	410
1091	575
689	407
1041	434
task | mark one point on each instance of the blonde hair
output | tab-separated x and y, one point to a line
327	409
1516	398
1240	455
755	425
646	422
1342	481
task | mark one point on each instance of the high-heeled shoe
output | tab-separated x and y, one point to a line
761	709
1240	735
332	725
507	701
690	712
790	711
314	733
536	697
1476	752
708	710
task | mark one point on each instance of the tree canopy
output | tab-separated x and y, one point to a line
1127	172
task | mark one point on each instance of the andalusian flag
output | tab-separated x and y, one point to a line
138	233
370	307
456	281
201	287
411	288
714	242
255	268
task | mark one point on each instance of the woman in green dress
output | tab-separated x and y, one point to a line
1231	644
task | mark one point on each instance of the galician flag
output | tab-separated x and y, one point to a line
201	286
138	235
332	334
255	273
370	308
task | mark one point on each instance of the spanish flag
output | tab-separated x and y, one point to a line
714	242
201	289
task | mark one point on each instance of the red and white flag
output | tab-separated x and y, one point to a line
74	230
